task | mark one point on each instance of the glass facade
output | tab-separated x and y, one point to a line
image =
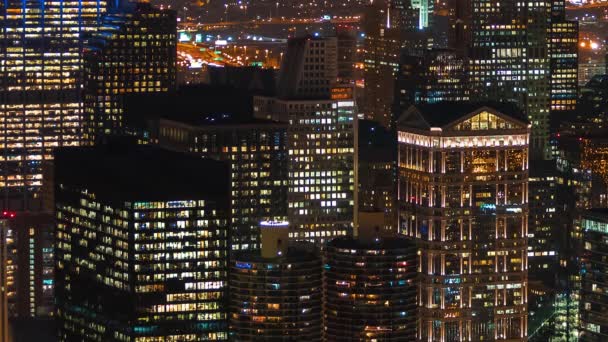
40	77
509	60
432	76
463	193
133	52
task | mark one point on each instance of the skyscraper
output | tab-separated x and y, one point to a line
133	53
563	54
550	210
256	150
141	244
31	261
5	273
40	85
309	69
276	293
509	60
389	27
320	137
463	193
431	76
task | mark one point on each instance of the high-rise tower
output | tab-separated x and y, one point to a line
133	52
463	192
141	244
320	136
509	60
40	84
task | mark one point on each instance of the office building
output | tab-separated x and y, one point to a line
382	47
389	27
309	68
369	286
593	101
256	150
594	157
141	244
6	277
320	136
431	76
30	264
134	52
550	207
275	294
463	195
563	54
593	295
40	85
509	61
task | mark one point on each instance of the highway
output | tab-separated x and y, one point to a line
278	21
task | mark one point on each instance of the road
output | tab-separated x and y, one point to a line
277	21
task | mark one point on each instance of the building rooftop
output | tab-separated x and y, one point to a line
376	143
443	113
125	171
188	104
219	119
600	214
296	252
540	168
396	242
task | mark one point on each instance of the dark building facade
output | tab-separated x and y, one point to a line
275	294
134	52
594	276
141	244
31	266
431	76
550	205
377	171
389	27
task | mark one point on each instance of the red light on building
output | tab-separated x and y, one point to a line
8	214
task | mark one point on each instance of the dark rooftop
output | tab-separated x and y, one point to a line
188	101
124	171
539	168
396	242
443	113
598	81
376	143
219	119
297	252
597	213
